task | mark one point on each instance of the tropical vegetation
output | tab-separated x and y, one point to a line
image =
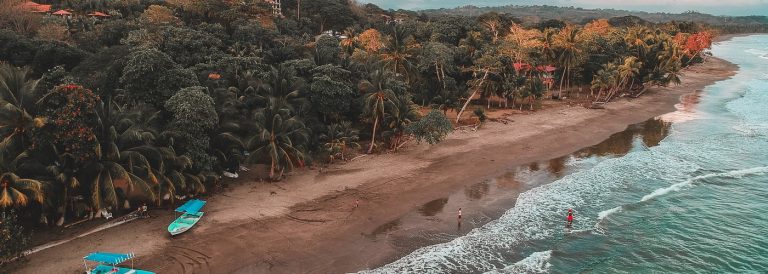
158	99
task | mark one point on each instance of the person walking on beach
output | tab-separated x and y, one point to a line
569	218
459	214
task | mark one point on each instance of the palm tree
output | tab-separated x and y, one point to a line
279	139
63	173
535	89
339	137
606	80
570	53
401	113
283	84
376	99
16	101
549	45
18	192
629	70
349	44
669	68
401	53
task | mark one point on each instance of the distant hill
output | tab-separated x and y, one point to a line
536	14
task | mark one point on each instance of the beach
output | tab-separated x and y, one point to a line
311	222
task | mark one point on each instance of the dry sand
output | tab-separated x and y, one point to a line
309	222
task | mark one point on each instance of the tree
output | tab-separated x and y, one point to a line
401	52
432	128
437	55
159	15
16	104
194	116
520	42
14	239
151	77
18	192
16	49
328	14
188	47
327	50
401	113
570	53
53	53
14	17
338	138
376	99
371	40
279	140
330	93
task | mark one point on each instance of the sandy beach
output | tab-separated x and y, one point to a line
309	223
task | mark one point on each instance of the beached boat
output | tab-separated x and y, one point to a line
107	264
190	215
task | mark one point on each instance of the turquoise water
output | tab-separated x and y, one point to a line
696	202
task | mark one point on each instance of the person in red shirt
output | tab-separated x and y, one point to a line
569	218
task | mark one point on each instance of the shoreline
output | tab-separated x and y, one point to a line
309	222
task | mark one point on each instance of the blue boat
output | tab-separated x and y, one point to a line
190	215
107	264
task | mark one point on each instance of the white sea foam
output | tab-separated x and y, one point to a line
539	214
757	52
730	174
605	213
537	262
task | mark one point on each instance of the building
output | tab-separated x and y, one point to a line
30	6
276	7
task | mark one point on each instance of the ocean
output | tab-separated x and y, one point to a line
677	196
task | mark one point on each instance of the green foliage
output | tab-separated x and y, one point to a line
194	116
16	49
14	239
280	139
432	128
51	54
285	94
151	77
99	70
188	47
327	50
480	114
338	138
402	112
329	93
19	192
328	14
71	116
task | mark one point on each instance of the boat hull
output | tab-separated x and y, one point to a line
105	269
185	222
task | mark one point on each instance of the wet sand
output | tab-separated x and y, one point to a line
309	223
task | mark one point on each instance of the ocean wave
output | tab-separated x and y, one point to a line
605	213
758	52
539	214
537	262
730	174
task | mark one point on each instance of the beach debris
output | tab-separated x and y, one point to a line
230	174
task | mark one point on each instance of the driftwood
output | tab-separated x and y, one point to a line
597	105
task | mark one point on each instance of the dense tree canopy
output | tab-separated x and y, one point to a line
151	77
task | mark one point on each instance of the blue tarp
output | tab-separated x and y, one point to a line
108	258
192	206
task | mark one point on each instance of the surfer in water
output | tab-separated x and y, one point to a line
569	218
